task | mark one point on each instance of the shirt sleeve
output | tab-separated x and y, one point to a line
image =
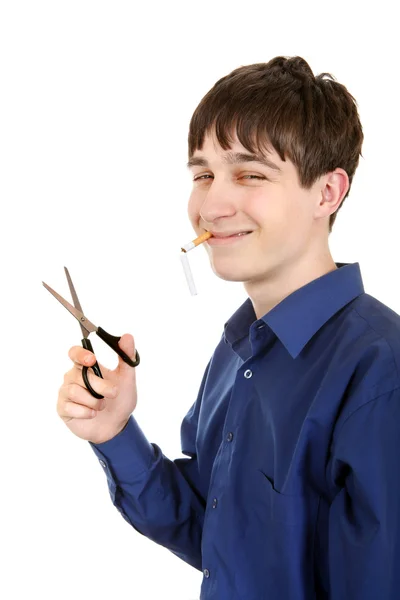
159	497
364	521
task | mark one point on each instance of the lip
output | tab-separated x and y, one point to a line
223	241
227	234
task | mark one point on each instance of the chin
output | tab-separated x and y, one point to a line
230	274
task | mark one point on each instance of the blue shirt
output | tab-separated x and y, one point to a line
291	485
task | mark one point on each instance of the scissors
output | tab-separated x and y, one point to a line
88	327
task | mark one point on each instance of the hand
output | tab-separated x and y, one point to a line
87	417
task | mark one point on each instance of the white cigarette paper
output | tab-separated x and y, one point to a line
188	273
186	267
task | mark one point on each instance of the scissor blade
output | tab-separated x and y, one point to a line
75	300
74	311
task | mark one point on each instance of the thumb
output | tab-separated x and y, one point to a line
127	344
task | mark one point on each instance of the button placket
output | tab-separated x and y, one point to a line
247	374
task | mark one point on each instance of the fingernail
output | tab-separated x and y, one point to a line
88	359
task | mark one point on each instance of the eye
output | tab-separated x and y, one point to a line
200	177
244	177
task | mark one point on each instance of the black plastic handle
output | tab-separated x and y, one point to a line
86	343
112	341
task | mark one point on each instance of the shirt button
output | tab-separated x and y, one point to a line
103	464
206	573
229	437
248	374
214	504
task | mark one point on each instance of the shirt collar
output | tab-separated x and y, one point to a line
301	314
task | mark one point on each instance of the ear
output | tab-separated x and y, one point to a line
335	187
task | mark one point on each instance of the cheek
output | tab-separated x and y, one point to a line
269	212
280	215
294	208
192	210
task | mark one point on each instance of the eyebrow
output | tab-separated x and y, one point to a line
234	158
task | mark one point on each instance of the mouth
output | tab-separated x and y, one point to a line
230	235
231	240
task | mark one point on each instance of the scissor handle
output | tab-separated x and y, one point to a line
86	343
112	341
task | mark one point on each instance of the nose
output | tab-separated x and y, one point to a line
218	202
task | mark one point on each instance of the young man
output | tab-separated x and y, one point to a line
291	488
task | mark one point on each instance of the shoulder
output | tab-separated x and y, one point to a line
379	318
376	334
371	353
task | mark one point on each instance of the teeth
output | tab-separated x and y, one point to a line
234	234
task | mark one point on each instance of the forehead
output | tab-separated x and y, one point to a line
211	144
211	151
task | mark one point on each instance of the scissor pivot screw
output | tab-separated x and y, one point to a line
83	319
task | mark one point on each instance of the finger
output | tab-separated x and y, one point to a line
81	357
127	344
72	404
84	358
76	394
72	410
102	386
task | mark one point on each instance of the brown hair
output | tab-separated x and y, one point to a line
312	120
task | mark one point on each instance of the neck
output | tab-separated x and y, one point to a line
269	290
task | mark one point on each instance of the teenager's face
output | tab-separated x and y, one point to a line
285	219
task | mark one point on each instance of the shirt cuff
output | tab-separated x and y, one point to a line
127	454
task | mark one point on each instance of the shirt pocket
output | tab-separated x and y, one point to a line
289	552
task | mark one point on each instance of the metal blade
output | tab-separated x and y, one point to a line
74	311
75	300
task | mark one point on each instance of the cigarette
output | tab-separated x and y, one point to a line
185	261
188	273
196	242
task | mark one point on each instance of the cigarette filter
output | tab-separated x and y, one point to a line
196	242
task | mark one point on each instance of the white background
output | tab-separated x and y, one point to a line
95	103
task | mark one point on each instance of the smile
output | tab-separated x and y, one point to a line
223	241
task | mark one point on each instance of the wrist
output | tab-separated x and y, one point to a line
111	436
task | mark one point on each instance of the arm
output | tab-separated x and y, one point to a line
364	521
160	498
